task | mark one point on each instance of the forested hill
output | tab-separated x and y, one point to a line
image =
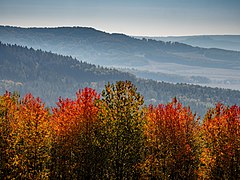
103	48
153	59
24	64
49	76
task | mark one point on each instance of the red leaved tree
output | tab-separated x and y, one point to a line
171	142
220	157
75	123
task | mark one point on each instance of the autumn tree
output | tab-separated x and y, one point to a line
33	143
220	157
171	142
121	136
28	139
8	106
75	122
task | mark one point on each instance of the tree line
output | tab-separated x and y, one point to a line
114	136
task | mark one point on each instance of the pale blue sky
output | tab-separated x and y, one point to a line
132	17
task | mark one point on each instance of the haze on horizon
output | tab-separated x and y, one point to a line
135	17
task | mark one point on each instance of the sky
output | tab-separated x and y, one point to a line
132	17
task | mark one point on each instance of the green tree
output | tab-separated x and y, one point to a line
121	137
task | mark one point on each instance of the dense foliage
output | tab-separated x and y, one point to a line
113	136
171	144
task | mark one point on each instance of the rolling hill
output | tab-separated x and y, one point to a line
50	75
220	68
227	42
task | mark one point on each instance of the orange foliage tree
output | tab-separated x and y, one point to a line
75	123
220	157
8	105
171	142
29	138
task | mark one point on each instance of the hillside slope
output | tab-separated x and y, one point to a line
228	42
50	75
213	67
103	48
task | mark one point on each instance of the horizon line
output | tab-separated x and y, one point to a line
113	32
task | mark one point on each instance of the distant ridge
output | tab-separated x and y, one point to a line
227	42
103	48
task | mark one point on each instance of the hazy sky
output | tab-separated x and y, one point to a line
132	17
